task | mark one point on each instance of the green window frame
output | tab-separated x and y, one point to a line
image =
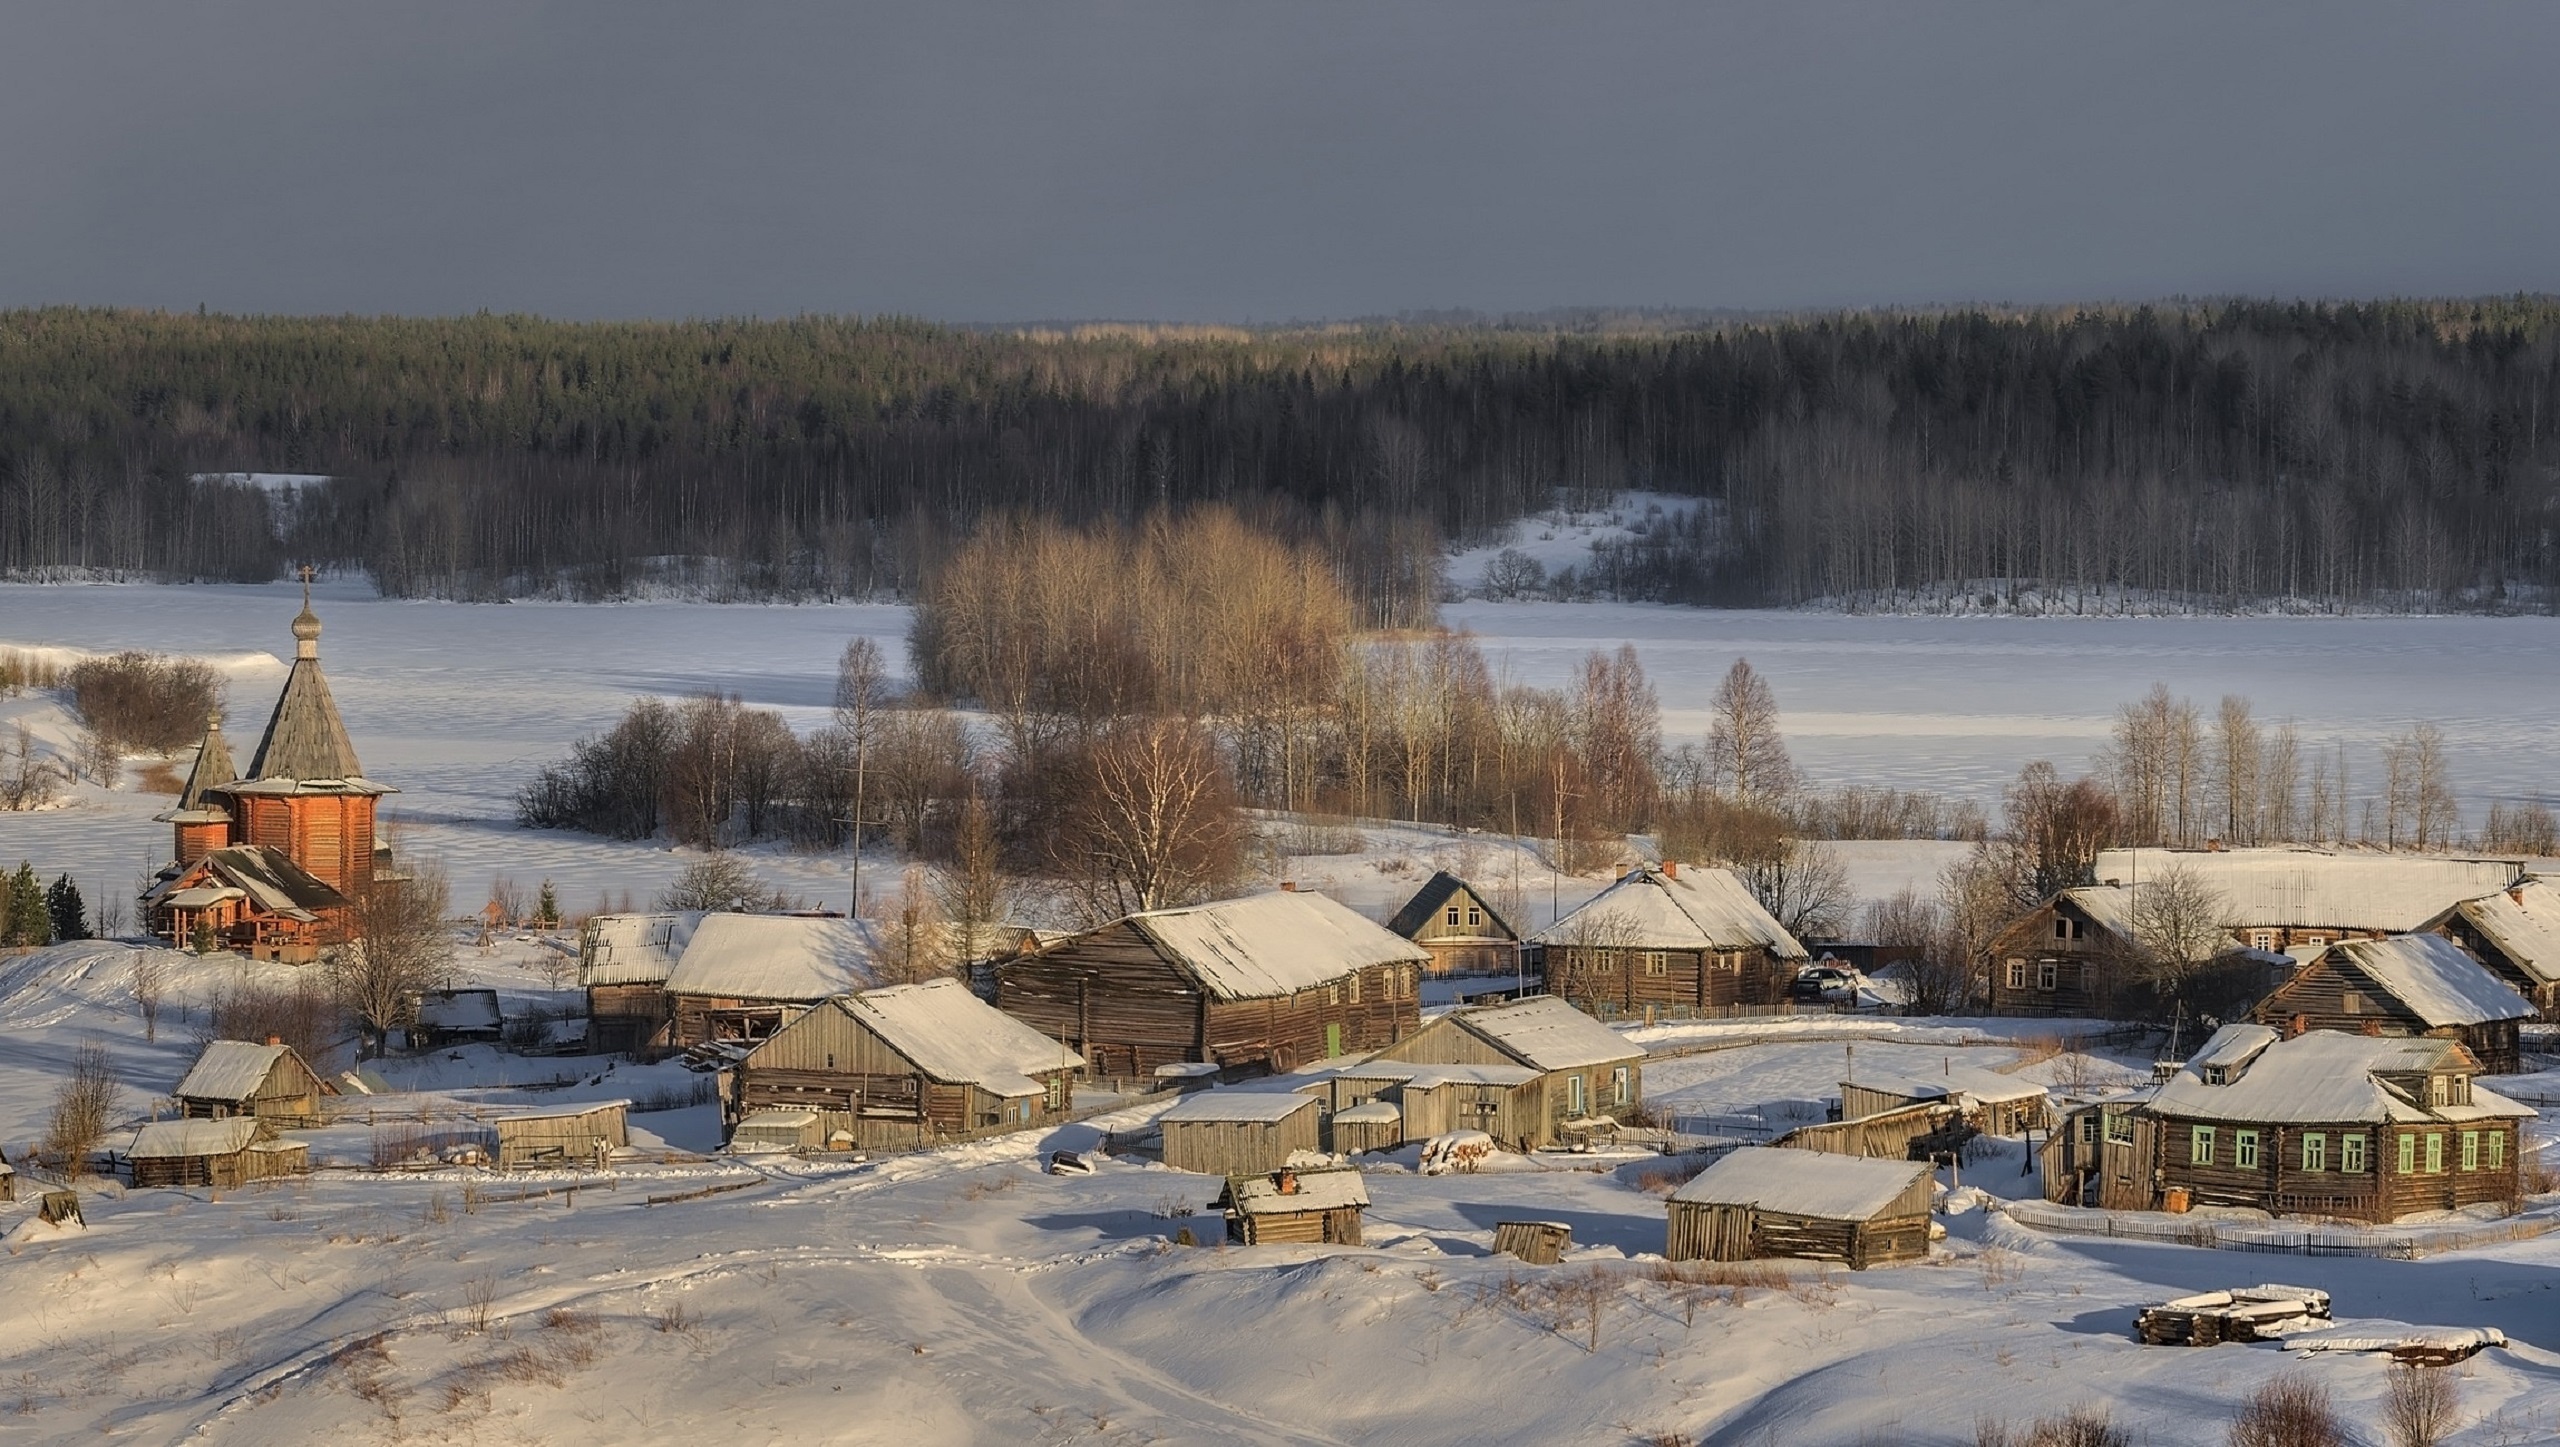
2435	1153
2119	1125
2315	1151
2351	1154
2200	1145
2471	1150
2497	1150
1621	1087
2408	1154
2244	1149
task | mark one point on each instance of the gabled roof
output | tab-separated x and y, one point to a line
955	1038
1271	944
634	949
2320	888
1426	902
1802	1183
273	883
166	1138
2524	925
230	1070
2324	1076
212	770
1694	909
2234	1046
776	957
2435	978
1238	1107
1972	1081
1316	1190
1546	1033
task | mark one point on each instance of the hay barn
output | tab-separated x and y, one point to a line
234	1077
1760	1202
224	1154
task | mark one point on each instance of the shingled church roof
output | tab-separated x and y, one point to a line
305	748
213	769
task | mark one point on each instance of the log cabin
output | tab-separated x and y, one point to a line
2073	955
1986	1100
1759	1202
905	1067
2352	1127
238	1078
2516	932
1465	935
2285	898
1583	1075
2405	985
224	1154
1317	1206
1670	943
1238	1132
1265	983
744	976
268	863
586	1134
623	964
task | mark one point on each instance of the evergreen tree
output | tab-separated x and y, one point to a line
205	941
30	923
69	911
546	909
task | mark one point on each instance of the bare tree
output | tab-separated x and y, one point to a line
862	687
918	938
1803	883
150	981
2058	827
2423	1405
1745	755
2180	922
399	943
1155	822
1978	895
2239	765
2280	786
1617	731
83	1108
717	881
509	897
2289	1411
971	890
28	779
2433	814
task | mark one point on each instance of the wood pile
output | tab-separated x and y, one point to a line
2243	1313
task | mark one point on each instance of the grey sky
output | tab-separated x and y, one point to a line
1267	161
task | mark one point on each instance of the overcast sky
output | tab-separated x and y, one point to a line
1264	162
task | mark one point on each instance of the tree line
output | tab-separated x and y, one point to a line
2218	454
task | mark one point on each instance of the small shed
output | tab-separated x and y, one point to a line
570	1135
1316	1207
1374	1125
453	1017
235	1078
1540	1243
1992	1103
778	1130
1762	1202
224	1154
1238	1132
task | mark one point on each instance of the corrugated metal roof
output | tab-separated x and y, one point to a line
2436	978
634	949
2524	925
2320	1076
1272	944
1545	1032
953	1036
2320	888
1802	1183
776	957
229	1070
1696	909
163	1139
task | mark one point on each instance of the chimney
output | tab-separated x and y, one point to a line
1671	869
2516	893
1288	886
275	1040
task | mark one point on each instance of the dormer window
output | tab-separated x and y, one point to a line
2217	1075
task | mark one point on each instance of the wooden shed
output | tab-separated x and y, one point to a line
1540	1243
457	1017
909	1066
1906	1134
1990	1102
1313	1207
1374	1125
572	1135
1578	1070
2406	985
778	1130
1760	1202
742	977
623	963
235	1078
1238	1132
224	1154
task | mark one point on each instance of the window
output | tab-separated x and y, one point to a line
2437	1089
2200	1146
2244	1149
1621	1086
1057	1099
2017	974
1333	994
1452	915
2351	1154
1352	985
2351	1002
2061	929
2497	1151
1573	1095
1475	915
2471	1150
2461	1092
2408	1155
2315	1152
2315	939
2048	974
2262	939
2435	1153
2119	1126
1653	961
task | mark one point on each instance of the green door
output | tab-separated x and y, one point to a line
1332	1041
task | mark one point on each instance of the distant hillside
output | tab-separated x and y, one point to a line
2228	452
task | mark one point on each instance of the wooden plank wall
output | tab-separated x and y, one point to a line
1237	1148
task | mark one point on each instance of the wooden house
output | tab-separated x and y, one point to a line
2071	956
908	1066
2405	985
456	1017
1371	1125
571	1135
236	1078
1316	1206
1670	943
742	977
1464	934
2516	932
623	964
1986	1100
224	1154
1584	1075
1268	982
1503	1100
300	823
1758	1202
2359	1127
1238	1132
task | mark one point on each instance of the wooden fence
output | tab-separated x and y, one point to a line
2283	1238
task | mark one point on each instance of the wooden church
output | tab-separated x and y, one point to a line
269	861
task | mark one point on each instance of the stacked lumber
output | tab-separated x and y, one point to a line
2243	1313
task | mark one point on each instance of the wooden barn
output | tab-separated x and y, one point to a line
2516	932
571	1135
225	1154
1760	1202
1990	1102
1372	1125
742	977
1269	982
1909	1133
1318	1206
236	1078
623	964
1670	943
456	1017
2279	899
1584	1074
908	1066
1464	934
2323	1124
1239	1132
2420	984
1504	1101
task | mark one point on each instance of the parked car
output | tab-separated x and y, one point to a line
1825	982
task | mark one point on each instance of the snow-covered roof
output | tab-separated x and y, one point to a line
1369	1112
2233	1047
1546	1032
634	949
561	1112
2437	979
1692	909
1316	1191
2106	905
2320	888
2524	924
229	1070
203	896
1238	1107
166	1138
1431	1077
1986	1086
1272	944
459	1010
2320	1076
1802	1183
776	957
953	1036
